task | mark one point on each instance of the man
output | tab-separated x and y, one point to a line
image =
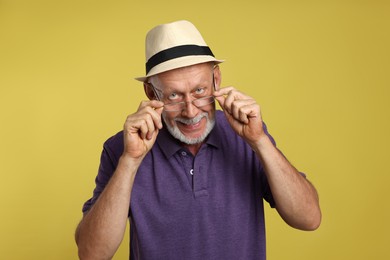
191	179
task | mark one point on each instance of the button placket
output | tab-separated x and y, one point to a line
187	160
200	178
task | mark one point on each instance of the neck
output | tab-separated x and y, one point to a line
193	148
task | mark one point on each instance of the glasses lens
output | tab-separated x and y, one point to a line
200	102
174	106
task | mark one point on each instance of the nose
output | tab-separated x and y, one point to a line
190	109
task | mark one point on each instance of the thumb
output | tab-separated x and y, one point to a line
159	110
221	100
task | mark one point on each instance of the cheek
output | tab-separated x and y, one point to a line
211	111
169	118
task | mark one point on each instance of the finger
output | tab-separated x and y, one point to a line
243	117
151	122
151	126
236	110
223	91
154	119
249	111
221	101
221	96
155	104
143	129
231	91
239	108
140	124
244	113
153	114
229	99
157	117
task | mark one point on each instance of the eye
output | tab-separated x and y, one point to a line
199	91
173	96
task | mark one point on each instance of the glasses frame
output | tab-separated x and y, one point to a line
183	103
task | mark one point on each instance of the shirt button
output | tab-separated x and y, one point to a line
183	153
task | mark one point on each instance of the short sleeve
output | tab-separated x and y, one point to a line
267	194
112	149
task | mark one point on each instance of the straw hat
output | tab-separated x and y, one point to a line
174	45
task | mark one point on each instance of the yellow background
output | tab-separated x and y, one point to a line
319	69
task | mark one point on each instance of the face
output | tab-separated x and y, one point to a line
191	124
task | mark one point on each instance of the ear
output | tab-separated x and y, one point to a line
149	91
217	77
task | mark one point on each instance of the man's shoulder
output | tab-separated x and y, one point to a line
114	144
225	131
220	118
223	125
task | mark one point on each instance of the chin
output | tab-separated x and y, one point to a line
176	133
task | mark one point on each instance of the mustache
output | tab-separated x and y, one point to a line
191	121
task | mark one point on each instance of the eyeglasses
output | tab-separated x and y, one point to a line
180	106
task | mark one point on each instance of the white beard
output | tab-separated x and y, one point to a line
175	132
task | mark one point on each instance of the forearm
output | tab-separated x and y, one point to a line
101	231
295	197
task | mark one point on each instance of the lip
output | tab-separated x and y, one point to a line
191	127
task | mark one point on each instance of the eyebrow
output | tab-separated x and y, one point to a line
203	84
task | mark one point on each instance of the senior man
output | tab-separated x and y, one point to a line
191	179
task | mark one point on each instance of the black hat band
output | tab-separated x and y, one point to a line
176	52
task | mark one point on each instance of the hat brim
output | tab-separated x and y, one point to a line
178	63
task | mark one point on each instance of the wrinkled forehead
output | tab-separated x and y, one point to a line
195	74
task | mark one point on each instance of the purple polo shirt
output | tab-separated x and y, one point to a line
208	206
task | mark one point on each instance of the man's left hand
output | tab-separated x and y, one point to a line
242	112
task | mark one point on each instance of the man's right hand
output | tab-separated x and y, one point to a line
101	230
141	129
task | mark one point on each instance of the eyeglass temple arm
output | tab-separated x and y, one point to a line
158	97
154	91
215	88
